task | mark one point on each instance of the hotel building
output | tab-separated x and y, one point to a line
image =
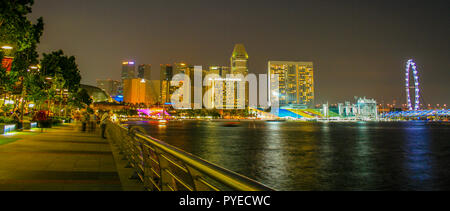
295	83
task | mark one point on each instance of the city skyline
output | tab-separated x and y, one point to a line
224	95
358	48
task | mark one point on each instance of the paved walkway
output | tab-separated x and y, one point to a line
61	158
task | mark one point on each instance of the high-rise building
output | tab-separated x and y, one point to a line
111	87
189	71
137	90
166	74
239	65
239	60
217	87
128	70
145	72
295	83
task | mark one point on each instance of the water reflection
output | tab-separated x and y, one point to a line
418	160
321	156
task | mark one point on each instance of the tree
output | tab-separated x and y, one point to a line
57	63
80	99
20	33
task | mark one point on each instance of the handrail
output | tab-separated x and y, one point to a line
161	166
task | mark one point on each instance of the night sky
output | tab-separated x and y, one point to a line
359	47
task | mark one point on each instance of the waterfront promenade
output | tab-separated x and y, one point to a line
61	159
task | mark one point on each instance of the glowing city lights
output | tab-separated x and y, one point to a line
7	47
412	64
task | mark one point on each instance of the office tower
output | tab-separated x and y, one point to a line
128	70
239	65
189	71
166	74
295	83
145	72
217	87
137	91
111	87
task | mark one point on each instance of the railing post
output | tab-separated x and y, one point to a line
166	183
163	167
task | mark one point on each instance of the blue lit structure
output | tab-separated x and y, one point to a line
34	125
10	128
416	114
283	113
119	98
412	64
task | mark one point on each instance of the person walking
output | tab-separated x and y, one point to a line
92	121
84	121
103	121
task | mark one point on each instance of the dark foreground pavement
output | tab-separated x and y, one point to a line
61	158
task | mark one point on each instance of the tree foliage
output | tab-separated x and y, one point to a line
80	99
56	63
23	35
20	33
15	28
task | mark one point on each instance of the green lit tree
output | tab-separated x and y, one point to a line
56	63
80	99
21	34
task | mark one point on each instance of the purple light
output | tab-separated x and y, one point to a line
409	64
153	112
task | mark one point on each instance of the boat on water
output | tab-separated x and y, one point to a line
231	124
276	120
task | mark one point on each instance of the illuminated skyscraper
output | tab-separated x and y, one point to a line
239	65
166	74
239	60
189	71
137	90
295	83
128	70
217	88
145	72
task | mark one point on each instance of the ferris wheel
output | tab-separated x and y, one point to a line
412	65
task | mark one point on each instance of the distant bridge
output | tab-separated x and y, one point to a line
419	114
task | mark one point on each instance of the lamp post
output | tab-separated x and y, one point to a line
33	67
48	80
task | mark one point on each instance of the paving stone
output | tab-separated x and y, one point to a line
61	158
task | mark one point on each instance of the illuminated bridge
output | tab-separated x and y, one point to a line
414	113
419	114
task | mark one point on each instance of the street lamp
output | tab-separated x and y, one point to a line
7	47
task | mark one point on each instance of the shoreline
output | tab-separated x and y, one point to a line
285	120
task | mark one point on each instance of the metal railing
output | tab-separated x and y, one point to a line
162	167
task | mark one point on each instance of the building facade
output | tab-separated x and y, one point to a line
295	87
239	66
166	74
366	109
111	87
140	91
145	72
128	70
215	88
